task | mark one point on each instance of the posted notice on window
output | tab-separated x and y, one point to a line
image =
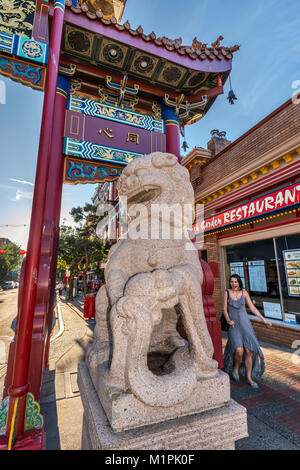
257	276
272	310
237	268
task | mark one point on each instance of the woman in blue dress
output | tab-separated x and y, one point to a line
242	353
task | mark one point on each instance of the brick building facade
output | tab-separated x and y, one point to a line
227	176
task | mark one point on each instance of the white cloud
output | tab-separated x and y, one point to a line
21	181
23	195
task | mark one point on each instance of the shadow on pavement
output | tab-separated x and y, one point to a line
49	412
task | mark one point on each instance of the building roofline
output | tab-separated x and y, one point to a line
252	129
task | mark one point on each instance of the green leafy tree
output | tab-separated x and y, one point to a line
11	260
79	247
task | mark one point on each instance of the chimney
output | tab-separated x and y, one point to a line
217	142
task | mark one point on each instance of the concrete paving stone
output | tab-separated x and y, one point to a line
272	410
288	420
245	392
276	367
60	390
70	417
296	375
3	368
266	413
296	396
74	384
289	391
48	387
290	402
261	437
277	382
260	400
295	427
286	364
49	413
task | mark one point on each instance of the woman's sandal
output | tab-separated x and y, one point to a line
235	376
253	384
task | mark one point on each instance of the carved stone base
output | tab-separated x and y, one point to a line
124	411
215	429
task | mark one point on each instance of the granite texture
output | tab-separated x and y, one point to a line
143	386
150	280
215	429
126	411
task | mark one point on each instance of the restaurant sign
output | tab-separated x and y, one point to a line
265	205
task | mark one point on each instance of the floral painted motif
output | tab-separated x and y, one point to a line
21	71
33	418
3	415
89	172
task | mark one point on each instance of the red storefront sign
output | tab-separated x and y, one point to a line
272	202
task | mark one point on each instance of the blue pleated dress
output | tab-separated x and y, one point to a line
241	334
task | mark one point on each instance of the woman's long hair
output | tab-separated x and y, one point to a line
239	280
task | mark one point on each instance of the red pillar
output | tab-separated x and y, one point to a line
45	298
213	326
19	388
172	129
54	190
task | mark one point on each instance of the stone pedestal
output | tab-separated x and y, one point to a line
124	411
212	429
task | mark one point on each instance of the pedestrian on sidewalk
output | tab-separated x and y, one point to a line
60	287
242	355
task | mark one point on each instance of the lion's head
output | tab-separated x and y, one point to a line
156	178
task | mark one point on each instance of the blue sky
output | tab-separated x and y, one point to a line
263	71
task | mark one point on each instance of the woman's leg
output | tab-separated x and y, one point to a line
248	363
238	355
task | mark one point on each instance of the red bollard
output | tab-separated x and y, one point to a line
86	307
92	306
89	306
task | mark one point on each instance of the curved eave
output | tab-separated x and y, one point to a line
211	65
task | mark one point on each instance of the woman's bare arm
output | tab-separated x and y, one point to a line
230	322
254	310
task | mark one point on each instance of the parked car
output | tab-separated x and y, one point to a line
8	285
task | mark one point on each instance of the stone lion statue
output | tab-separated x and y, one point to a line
150	281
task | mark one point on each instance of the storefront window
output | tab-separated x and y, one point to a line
288	253
263	269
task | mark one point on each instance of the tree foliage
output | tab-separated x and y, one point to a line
11	260
79	247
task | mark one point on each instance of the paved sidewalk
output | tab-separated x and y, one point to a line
60	399
273	410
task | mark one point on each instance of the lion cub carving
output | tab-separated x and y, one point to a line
147	281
